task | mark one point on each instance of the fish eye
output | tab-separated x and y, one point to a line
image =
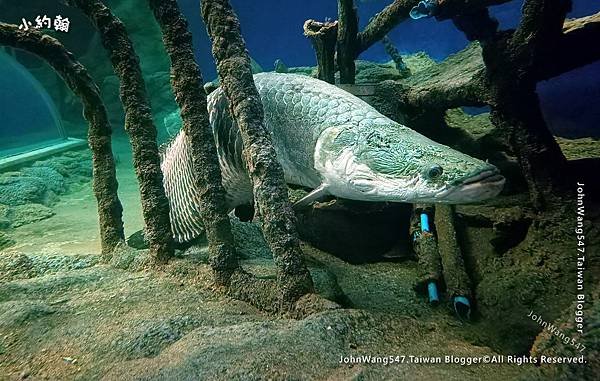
434	171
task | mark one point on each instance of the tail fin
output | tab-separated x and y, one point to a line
180	188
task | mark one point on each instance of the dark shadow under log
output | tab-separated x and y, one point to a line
138	124
99	133
269	188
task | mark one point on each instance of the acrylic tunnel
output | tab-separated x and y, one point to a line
30	124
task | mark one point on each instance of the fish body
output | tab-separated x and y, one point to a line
331	141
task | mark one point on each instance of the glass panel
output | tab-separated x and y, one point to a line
28	117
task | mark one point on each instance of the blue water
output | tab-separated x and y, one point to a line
273	30
28	117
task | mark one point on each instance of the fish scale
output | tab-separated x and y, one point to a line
296	109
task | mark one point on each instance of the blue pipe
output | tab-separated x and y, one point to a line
424	222
431	286
462	307
433	293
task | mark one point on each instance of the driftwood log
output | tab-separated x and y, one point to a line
347	40
455	275
269	188
352	43
425	246
138	124
186	81
514	63
323	37
460	80
78	80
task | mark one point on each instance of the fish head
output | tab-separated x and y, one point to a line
390	162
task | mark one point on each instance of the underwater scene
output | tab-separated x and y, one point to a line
299	190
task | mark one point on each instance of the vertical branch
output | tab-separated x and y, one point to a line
425	247
138	124
455	275
270	191
542	21
323	37
99	133
511	79
186	80
394	54
347	40
539	31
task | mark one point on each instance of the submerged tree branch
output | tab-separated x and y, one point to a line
455	276
586	23
541	23
382	23
510	59
536	36
186	80
138	124
395	13
457	81
460	80
347	40
395	55
323	37
77	78
270	191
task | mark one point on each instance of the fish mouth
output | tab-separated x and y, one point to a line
489	176
485	185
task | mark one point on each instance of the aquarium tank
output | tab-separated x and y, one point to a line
299	190
32	126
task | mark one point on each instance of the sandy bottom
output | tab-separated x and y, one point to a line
74	228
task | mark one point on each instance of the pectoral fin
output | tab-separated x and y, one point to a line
313	196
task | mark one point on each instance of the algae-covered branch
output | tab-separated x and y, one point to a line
138	123
99	131
503	75
323	37
266	173
186	81
510	62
